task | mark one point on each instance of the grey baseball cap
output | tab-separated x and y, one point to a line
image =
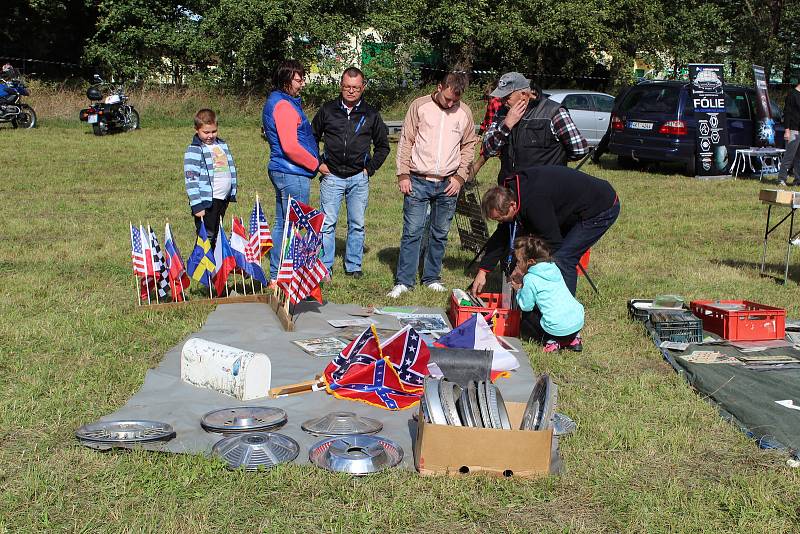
510	82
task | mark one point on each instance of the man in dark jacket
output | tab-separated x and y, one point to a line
348	127
531	130
791	121
569	209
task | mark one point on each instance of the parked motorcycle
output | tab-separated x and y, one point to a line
111	113
12	109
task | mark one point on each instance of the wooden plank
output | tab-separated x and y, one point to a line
220	300
285	319
777	196
293	389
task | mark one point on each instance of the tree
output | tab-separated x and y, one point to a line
134	38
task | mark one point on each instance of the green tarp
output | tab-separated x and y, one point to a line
747	395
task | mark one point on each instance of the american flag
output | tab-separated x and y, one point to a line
252	247
137	254
388	376
159	265
301	270
260	237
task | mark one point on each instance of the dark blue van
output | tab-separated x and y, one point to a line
654	121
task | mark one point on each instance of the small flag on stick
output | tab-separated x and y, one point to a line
200	264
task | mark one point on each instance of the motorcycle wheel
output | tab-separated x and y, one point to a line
100	128
133	120
26	118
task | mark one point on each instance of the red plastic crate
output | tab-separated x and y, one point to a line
756	322
506	322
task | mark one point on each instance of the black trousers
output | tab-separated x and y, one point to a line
531	329
211	219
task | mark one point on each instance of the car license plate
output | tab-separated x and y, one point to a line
92	119
634	125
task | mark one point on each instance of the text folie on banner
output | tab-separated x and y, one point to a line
708	101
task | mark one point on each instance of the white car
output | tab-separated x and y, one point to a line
590	110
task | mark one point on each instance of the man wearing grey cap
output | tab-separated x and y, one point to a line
531	130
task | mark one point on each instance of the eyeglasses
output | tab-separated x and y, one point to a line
353	88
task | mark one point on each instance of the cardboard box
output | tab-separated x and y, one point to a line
454	450
779	196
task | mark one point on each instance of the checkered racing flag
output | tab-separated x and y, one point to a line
159	265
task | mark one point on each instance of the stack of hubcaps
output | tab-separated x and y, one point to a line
243	419
480	405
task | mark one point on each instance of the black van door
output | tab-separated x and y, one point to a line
741	126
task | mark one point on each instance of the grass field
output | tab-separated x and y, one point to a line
649	455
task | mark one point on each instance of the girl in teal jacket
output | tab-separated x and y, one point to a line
556	318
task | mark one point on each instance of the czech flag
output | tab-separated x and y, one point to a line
474	333
223	260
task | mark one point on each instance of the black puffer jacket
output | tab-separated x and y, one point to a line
347	139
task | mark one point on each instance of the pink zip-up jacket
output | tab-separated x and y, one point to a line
436	141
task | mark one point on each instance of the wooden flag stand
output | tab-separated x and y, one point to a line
216	300
279	302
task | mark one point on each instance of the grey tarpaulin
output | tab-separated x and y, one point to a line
254	327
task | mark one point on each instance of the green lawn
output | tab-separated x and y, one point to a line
649	455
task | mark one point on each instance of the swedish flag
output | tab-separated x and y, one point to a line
201	263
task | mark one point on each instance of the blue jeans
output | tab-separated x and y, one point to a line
579	239
355	190
415	207
296	186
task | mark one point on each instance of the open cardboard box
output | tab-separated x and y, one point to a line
444	449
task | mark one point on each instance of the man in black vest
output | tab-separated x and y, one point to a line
532	130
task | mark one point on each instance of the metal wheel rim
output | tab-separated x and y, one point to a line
30	122
125	431
505	422
132	119
341	424
531	415
482	405
256	449
447	392
548	406
433	401
357	454
491	403
243	419
472	396
464	410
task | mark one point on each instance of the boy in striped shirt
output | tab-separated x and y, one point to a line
209	173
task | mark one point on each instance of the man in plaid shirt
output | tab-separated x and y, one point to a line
493	105
530	130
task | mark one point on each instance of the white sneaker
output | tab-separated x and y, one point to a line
436	286
396	291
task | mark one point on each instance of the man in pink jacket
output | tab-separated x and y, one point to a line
433	156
